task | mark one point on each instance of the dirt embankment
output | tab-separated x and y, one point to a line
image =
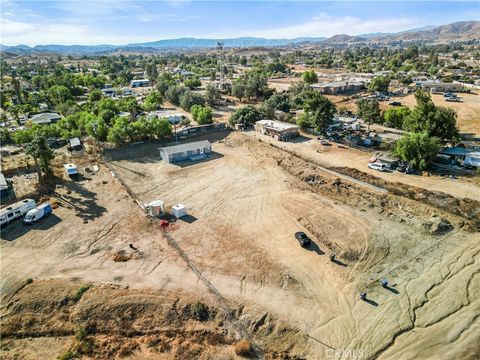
105	322
466	208
404	203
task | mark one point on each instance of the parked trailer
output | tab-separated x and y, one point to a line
37	213
14	211
70	170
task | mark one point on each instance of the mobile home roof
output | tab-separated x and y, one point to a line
175	149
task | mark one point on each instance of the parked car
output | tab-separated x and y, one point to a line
325	142
453	99
449	94
395	103
377	166
303	239
405	168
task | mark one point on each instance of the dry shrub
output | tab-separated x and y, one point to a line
121	256
244	349
54	204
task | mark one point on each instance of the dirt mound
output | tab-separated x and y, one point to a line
121	256
437	226
106	322
467	209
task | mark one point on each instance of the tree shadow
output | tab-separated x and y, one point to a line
17	228
85	206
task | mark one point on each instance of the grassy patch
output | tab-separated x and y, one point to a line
78	295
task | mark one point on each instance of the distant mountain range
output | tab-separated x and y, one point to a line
464	30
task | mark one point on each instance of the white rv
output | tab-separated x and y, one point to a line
14	211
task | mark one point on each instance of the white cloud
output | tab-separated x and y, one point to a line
62	33
324	25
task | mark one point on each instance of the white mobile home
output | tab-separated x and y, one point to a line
139	83
193	151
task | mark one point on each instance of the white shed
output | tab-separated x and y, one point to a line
179	210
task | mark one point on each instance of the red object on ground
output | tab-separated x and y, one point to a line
164	224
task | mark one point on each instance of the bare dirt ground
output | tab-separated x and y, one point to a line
245	203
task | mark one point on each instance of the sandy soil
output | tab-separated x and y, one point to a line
245	203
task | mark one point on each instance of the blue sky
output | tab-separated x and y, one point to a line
126	21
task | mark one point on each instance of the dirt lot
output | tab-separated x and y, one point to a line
237	254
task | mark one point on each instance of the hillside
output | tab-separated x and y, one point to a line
458	31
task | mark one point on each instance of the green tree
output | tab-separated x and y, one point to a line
436	121
239	90
42	156
212	94
131	106
201	114
418	149
159	127
380	84
59	94
319	110
173	94
189	98
306	121
95	95
193	82
246	115
97	129
395	116
310	77
251	84
152	73
5	136
369	111
152	102
118	132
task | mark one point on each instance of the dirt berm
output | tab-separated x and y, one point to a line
466	208
67	319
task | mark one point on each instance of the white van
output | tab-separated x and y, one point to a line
14	211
